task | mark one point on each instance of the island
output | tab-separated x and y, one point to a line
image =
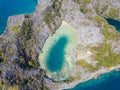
60	45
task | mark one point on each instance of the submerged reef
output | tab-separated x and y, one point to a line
67	33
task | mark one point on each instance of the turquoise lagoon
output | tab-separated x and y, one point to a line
55	58
14	7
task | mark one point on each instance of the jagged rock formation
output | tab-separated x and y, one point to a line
25	36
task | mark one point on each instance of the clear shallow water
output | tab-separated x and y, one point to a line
55	58
14	7
115	23
108	81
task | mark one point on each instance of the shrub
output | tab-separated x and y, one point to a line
3	58
83	1
26	27
15	28
69	80
105	56
86	65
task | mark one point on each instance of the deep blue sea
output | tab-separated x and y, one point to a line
108	81
114	23
56	54
14	7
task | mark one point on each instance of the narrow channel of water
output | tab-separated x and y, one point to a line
114	23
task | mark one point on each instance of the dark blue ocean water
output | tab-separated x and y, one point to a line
14	7
56	54
108	81
115	23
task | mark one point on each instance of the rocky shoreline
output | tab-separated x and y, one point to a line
93	76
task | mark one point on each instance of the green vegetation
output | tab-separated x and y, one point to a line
103	53
101	10
107	30
26	27
86	1
100	21
3	58
69	80
78	76
2	85
27	16
56	6
105	56
27	62
14	88
30	63
49	17
15	28
113	13
104	8
86	65
90	17
84	9
83	5
25	43
52	14
83	1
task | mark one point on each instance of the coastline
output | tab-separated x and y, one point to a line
17	18
94	75
41	33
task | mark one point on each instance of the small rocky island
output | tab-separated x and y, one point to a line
92	44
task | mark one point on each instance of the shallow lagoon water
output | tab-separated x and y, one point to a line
14	7
55	58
